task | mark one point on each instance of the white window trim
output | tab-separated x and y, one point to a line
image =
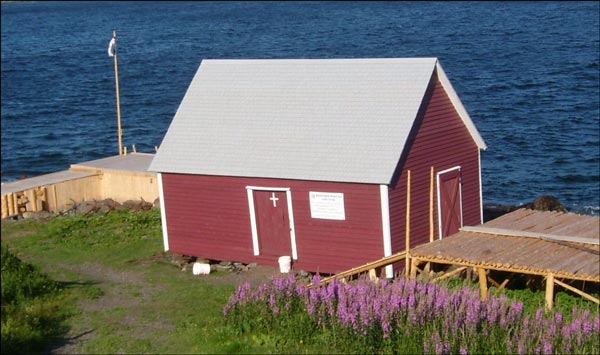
163	212
385	224
439	200
253	225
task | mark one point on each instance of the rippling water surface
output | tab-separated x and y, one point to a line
527	72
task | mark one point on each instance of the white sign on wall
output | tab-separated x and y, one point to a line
327	205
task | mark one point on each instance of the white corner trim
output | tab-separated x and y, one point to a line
439	199
480	188
385	224
462	112
163	212
288	194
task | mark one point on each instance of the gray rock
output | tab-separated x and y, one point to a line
131	204
105	209
36	215
87	207
218	267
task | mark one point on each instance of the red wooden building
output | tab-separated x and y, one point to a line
310	158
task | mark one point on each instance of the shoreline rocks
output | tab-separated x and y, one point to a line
541	203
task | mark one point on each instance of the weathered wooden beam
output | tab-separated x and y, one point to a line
515	233
503	284
581	277
55	198
363	268
449	274
4	206
11	204
579	292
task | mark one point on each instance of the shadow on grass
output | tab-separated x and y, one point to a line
41	325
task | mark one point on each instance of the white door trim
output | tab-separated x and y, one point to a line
253	226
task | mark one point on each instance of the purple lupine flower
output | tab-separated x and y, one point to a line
509	346
439	348
385	326
552	329
566	332
558	318
587	327
596	323
538	315
272	300
463	351
514	313
547	347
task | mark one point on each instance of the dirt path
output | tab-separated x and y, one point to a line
127	289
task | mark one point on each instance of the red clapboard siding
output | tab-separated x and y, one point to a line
208	216
442	141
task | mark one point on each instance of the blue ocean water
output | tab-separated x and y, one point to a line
527	72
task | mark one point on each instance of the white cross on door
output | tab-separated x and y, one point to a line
274	199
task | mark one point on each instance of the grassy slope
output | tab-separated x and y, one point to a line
122	295
154	307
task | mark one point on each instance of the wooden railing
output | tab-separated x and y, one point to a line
368	267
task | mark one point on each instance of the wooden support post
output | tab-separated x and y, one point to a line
11	204
407	235
503	284
373	275
482	283
414	263
427	267
35	200
549	291
4	206
493	282
431	232
42	194
55	198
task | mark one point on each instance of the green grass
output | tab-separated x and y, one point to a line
163	310
109	285
33	313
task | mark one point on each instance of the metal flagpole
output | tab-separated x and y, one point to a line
112	51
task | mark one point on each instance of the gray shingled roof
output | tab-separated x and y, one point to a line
341	120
